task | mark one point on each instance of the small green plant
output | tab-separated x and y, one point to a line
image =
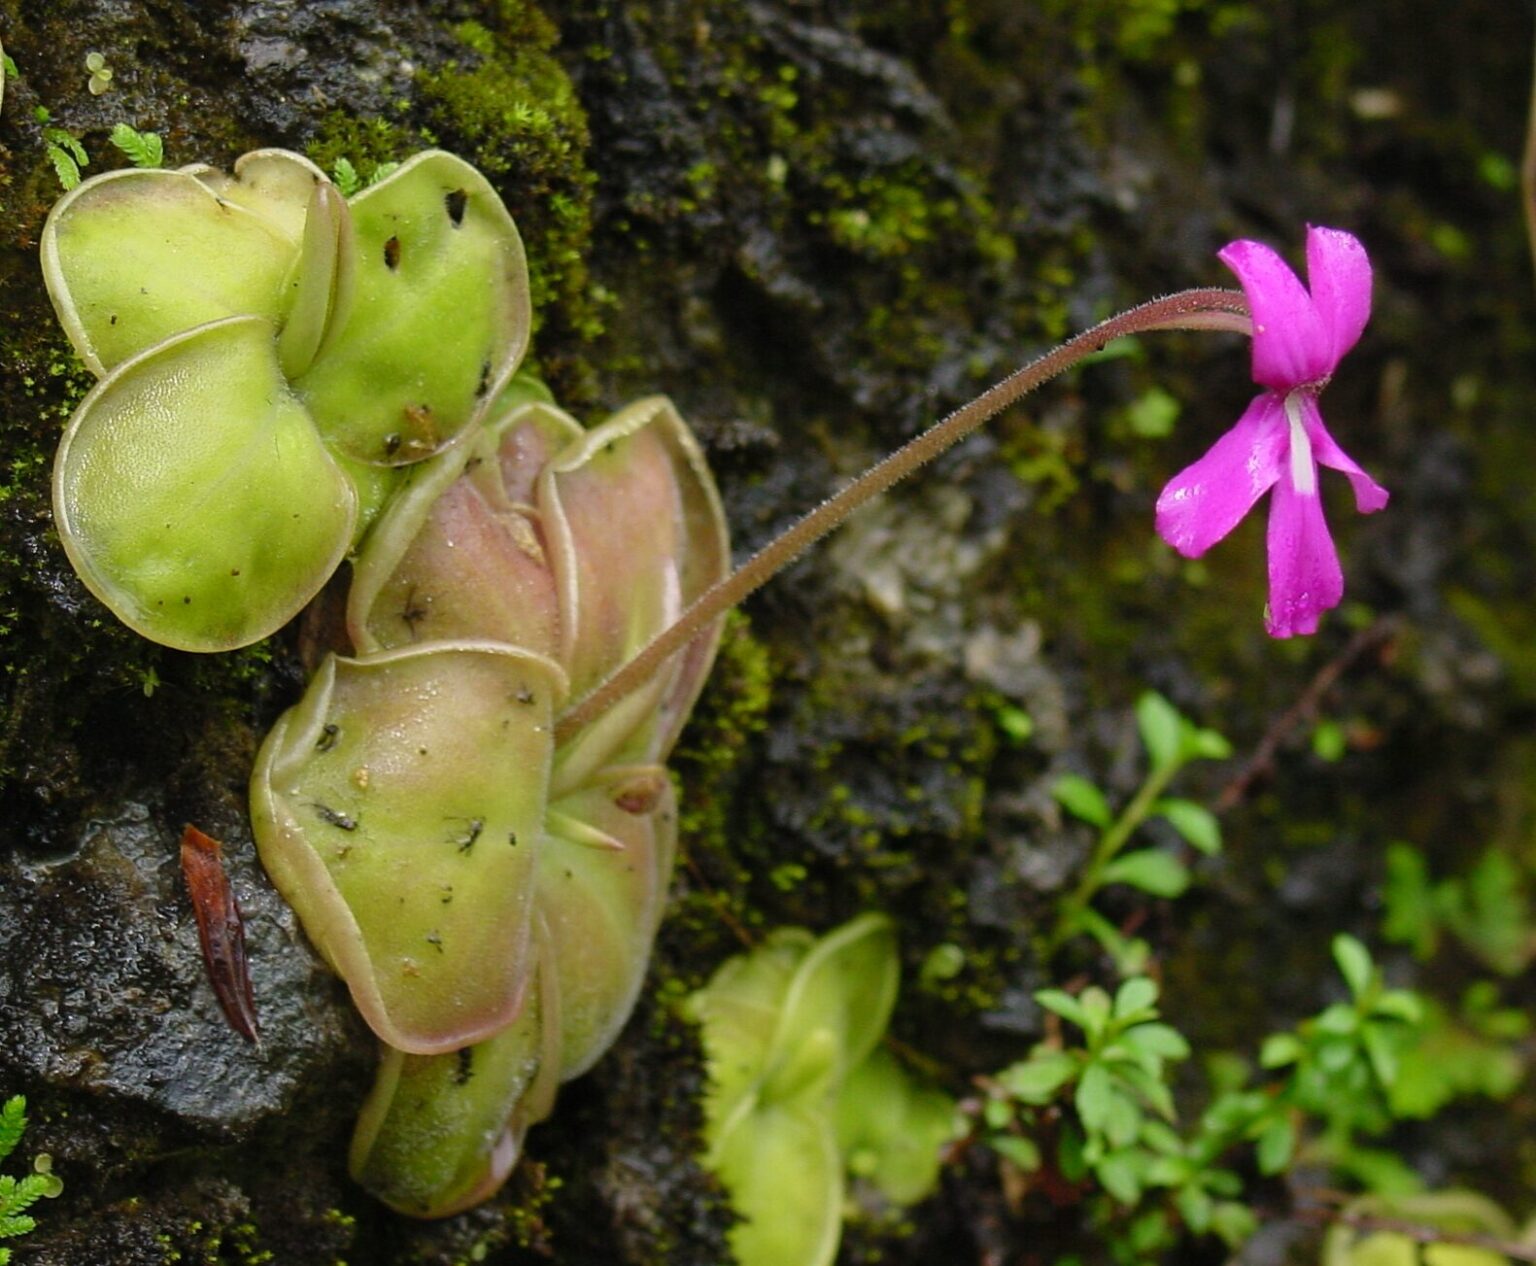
1172	742
17	1195
347	179
63	148
101	74
1100	1110
144	149
1487	909
800	1089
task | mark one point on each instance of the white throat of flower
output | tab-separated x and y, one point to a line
1303	468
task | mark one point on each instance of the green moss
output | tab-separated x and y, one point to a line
366	143
509	107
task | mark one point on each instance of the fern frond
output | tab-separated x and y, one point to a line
13	1121
13	1224
346	178
144	149
19	1194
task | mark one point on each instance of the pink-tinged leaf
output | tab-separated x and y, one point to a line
456	557
219	930
1206	500
1290	344
399	809
602	903
1339	274
635	533
1369	495
1304	575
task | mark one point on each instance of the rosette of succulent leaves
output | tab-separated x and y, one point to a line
801	1089
277	393
271	360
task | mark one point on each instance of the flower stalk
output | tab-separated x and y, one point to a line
1200	309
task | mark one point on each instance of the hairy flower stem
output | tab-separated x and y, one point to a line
1111	841
1206	309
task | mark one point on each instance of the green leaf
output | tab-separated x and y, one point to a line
1195	1207
1411	917
13	1122
1121	1174
1161	874
1161	729
1135	996
1153	413
346	177
1037	1079
845	988
1162	1040
1381	1048
64	165
784	1159
1082	799
1206	745
1017	1151
436	250
1122	1120
436	725
1064	1005
1095	1098
1329	742
1354	962
1194	822
1280	1049
133	258
1234	1222
1399	1004
144	149
439	1133
201	537
1276	1145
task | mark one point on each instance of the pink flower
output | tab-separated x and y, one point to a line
1298	340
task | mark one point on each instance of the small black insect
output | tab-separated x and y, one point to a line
466	1068
466	841
512	838
413	612
327	739
456	202
435	940
339	820
392	254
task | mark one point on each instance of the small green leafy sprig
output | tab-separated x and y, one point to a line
143	149
1172	742
63	148
1488	909
1102	1111
17	1195
1342	1065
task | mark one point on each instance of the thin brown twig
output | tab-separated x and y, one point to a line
1305	709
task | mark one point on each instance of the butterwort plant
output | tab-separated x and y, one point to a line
470	808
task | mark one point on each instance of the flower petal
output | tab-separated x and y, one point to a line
1304	575
1207	499
1291	344
1339	275
1369	495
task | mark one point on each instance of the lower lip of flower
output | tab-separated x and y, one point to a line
1303	468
